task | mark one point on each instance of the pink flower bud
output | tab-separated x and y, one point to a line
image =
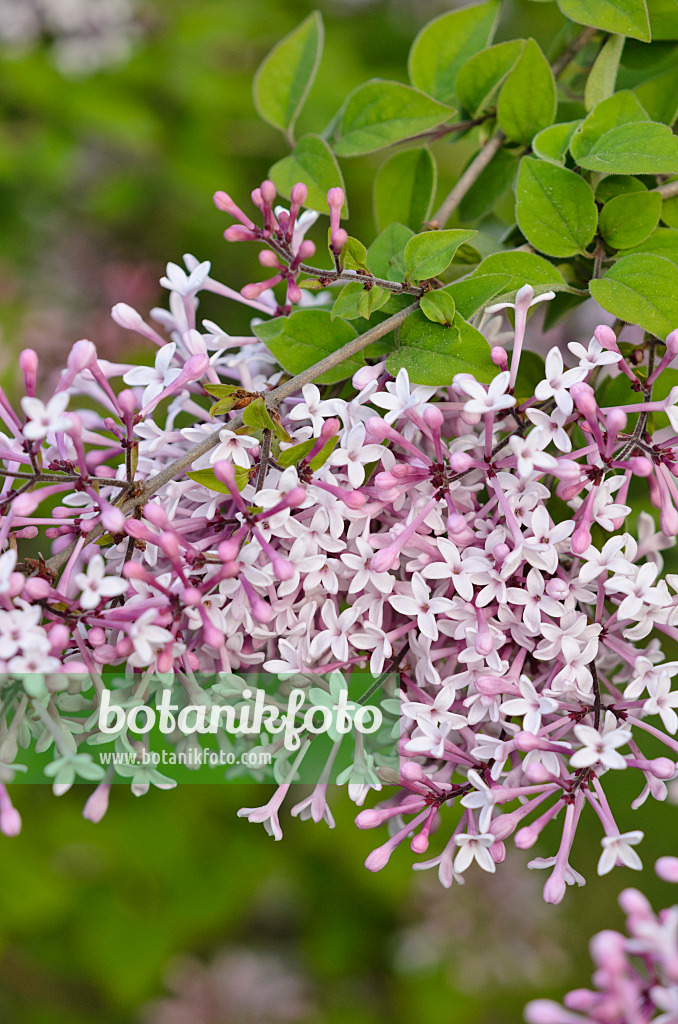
433	418
616	421
269	259
379	858
672	344
268	192
135	570
82	355
460	462
338	240
606	337
545	1011
336	198
37	589
223	201
499	357
667	868
581	539
97	803
228	550
127	402
640	465
306	249
127	317
113	518
168	543
238	233
299	194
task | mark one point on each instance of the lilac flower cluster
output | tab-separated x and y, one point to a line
455	535
636	977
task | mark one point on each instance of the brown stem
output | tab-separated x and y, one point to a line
571	51
264	460
468	178
667	191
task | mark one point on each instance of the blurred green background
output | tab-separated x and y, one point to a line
104	177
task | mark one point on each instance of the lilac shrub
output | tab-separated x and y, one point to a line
407	528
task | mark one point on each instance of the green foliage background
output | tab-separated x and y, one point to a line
118	170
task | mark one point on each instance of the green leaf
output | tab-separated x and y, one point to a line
490	185
207	478
438	306
445	44
379	113
663	18
627	17
386	255
555	208
522	268
627	220
479	80
603	75
433	354
478	291
313	163
641	289
308	335
292	456
643	147
618	185
662	242
431	252
670	212
553	142
355	300
404	189
354	255
257	416
659	96
222	390
618	138
527	101
283	81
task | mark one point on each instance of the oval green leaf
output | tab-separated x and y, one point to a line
527	101
627	220
553	142
386	255
555	208
355	300
438	306
641	289
308	335
380	113
445	44
431	252
284	79
433	354
479	80
627	17
404	189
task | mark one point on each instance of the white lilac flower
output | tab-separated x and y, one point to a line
400	397
96	586
494	398
558	382
45	419
617	849
599	747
